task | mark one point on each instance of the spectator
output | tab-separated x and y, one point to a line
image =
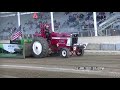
72	19
57	24
66	13
81	16
90	13
111	13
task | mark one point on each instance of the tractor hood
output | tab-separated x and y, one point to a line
55	34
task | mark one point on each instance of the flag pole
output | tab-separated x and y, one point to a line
95	23
52	21
19	23
18	14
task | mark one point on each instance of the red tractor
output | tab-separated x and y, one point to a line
47	42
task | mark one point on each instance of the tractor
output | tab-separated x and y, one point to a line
48	42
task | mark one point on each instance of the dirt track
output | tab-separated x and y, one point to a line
56	67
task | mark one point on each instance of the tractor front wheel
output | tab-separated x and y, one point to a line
65	52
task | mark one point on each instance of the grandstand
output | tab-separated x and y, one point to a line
108	24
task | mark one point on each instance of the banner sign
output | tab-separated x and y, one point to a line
12	50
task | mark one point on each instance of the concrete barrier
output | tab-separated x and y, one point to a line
103	46
101	52
100	39
91	46
101	42
107	47
117	47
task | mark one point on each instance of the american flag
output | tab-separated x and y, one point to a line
17	34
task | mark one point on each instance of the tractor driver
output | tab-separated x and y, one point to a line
47	32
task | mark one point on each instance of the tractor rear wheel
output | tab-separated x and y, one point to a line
40	47
65	53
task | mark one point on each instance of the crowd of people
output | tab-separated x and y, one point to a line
78	20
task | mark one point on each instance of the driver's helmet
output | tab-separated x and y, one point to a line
47	27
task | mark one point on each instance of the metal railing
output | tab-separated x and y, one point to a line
115	18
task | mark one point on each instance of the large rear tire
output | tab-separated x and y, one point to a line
40	47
